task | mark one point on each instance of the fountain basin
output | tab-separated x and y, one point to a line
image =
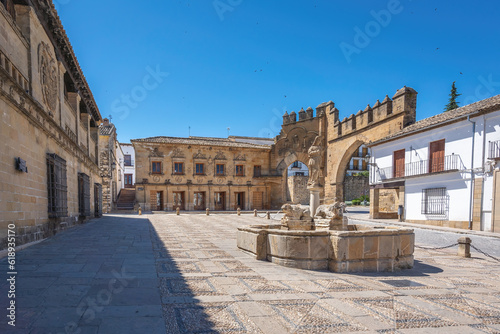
360	248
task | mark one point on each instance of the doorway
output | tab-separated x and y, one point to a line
239	201
220	201
257	200
156	200
199	201
178	201
128	181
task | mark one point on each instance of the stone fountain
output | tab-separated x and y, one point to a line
319	237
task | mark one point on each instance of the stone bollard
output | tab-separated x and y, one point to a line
238	211
268	215
178	211
464	246
255	213
208	212
140	211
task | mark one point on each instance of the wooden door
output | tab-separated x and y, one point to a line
199	201
257	200
178	201
220	200
399	163
128	181
436	156
156	200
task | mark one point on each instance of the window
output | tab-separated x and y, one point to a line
156	167
296	164
299	173
56	186
178	168
127	160
257	171
434	201
200	169
219	169
84	194
240	170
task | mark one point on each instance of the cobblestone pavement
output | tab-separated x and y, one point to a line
183	274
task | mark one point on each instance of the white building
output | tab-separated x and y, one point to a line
298	168
427	168
128	165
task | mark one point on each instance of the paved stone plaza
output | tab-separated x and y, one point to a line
183	274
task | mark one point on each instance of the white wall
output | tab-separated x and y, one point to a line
458	141
129	149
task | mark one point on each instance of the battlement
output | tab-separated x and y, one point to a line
402	103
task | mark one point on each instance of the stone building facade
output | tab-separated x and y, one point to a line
197	173
49	177
110	167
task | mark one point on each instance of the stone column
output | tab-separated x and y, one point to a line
313	199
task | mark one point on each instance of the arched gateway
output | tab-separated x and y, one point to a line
339	139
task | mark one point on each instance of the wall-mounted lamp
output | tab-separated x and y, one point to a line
367	158
113	165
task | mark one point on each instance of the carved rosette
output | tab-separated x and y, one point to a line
48	76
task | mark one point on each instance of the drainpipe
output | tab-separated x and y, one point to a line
471	172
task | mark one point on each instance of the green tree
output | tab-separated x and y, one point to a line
452	102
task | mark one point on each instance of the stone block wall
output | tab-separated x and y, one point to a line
355	186
297	187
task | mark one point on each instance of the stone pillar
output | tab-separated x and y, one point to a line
313	199
464	246
374	203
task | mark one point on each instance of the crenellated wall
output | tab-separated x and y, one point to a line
340	138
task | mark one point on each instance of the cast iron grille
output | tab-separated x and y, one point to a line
494	150
84	194
434	201
57	186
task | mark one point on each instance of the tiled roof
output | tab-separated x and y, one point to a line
106	130
205	141
444	118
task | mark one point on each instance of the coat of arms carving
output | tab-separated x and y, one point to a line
48	76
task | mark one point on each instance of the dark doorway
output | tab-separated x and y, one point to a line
178	201
199	201
128	181
239	201
220	201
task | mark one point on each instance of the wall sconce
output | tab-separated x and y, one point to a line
367	158
113	165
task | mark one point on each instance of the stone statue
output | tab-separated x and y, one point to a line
331	211
295	212
314	163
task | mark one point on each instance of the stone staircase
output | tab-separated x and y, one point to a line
126	199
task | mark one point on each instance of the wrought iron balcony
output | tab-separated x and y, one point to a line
494	150
423	167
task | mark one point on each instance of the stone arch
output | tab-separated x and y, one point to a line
343	164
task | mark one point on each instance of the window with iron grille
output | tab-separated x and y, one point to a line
127	160
434	201
84	194
57	186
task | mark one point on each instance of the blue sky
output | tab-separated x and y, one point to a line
159	67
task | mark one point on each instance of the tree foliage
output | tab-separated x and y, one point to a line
452	102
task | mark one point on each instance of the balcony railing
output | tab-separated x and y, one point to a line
423	167
494	150
129	163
